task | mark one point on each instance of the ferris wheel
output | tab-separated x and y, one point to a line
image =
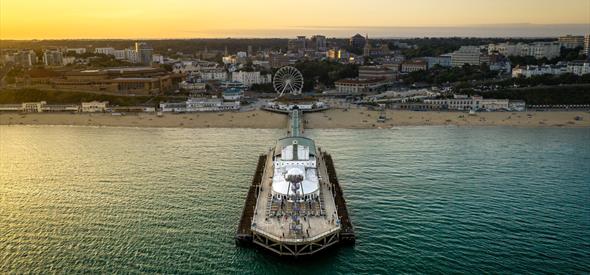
288	80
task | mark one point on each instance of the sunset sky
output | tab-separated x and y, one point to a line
55	19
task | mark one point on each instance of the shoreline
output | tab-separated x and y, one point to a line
330	119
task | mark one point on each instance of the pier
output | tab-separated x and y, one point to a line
293	215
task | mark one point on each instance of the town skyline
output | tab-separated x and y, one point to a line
65	19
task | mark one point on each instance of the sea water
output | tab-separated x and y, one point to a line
422	200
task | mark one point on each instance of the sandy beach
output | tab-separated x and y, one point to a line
359	118
331	119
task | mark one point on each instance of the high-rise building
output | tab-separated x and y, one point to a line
52	58
296	45
367	47
357	41
571	41
144	53
587	45
25	58
318	42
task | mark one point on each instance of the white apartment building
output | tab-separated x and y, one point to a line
543	50
158	58
537	49
251	78
67	60
129	55
107	51
120	54
52	58
577	68
25	58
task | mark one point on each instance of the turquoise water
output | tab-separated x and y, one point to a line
423	200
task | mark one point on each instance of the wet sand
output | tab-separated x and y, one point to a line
335	118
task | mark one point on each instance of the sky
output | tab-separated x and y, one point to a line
72	19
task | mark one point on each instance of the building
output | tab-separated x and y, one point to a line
94	106
571	41
203	70
587	45
464	103
24	58
318	42
371	72
144	53
158	58
122	81
445	60
414	66
107	51
534	70
367	48
38	107
233	94
200	105
33	107
297	45
76	50
120	54
52	58
278	60
359	86
357	41
129	55
576	67
251	78
500	64
538	50
67	60
470	55
195	86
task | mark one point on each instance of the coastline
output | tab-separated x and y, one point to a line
331	119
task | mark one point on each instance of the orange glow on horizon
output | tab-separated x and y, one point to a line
63	19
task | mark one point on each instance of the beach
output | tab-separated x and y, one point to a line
330	119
